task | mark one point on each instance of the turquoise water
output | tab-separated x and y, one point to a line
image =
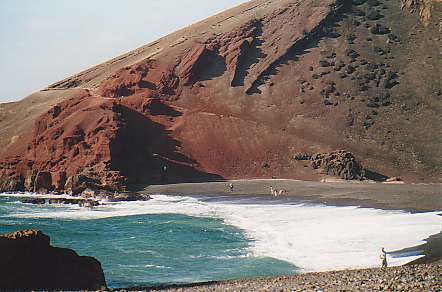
153	249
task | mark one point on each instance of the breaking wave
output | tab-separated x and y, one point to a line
311	236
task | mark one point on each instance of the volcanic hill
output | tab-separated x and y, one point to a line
266	89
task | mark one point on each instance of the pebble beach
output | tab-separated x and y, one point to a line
405	278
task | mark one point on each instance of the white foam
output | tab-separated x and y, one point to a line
156	267
312	237
38	196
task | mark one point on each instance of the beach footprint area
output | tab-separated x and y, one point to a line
188	239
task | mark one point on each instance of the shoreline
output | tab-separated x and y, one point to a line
414	198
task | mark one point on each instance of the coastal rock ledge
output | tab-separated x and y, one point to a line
29	262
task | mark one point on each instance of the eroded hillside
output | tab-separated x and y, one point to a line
261	90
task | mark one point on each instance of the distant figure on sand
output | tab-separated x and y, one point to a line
271	190
164	173
383	257
231	187
281	192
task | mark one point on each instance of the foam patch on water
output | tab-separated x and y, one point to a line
312	237
35	195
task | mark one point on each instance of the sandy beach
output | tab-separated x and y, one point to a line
409	197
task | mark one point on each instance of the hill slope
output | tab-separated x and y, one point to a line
256	91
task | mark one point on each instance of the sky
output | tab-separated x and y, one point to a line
44	41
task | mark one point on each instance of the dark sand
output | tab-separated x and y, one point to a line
409	197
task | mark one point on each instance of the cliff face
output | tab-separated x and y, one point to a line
28	262
237	96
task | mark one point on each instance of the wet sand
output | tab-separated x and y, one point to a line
408	197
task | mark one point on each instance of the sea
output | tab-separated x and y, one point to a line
182	240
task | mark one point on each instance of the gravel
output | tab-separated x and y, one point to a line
405	278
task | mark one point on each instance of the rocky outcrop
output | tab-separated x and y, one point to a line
10	184
148	78
341	163
34	201
29	262
129	197
70	148
43	182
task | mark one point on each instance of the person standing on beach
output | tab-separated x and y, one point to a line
383	257
164	174
231	187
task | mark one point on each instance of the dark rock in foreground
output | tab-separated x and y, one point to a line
29	262
34	201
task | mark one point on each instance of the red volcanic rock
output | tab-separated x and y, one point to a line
236	47
43	182
193	63
71	137
237	96
59	180
147	79
29	262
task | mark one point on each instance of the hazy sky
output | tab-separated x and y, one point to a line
43	41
